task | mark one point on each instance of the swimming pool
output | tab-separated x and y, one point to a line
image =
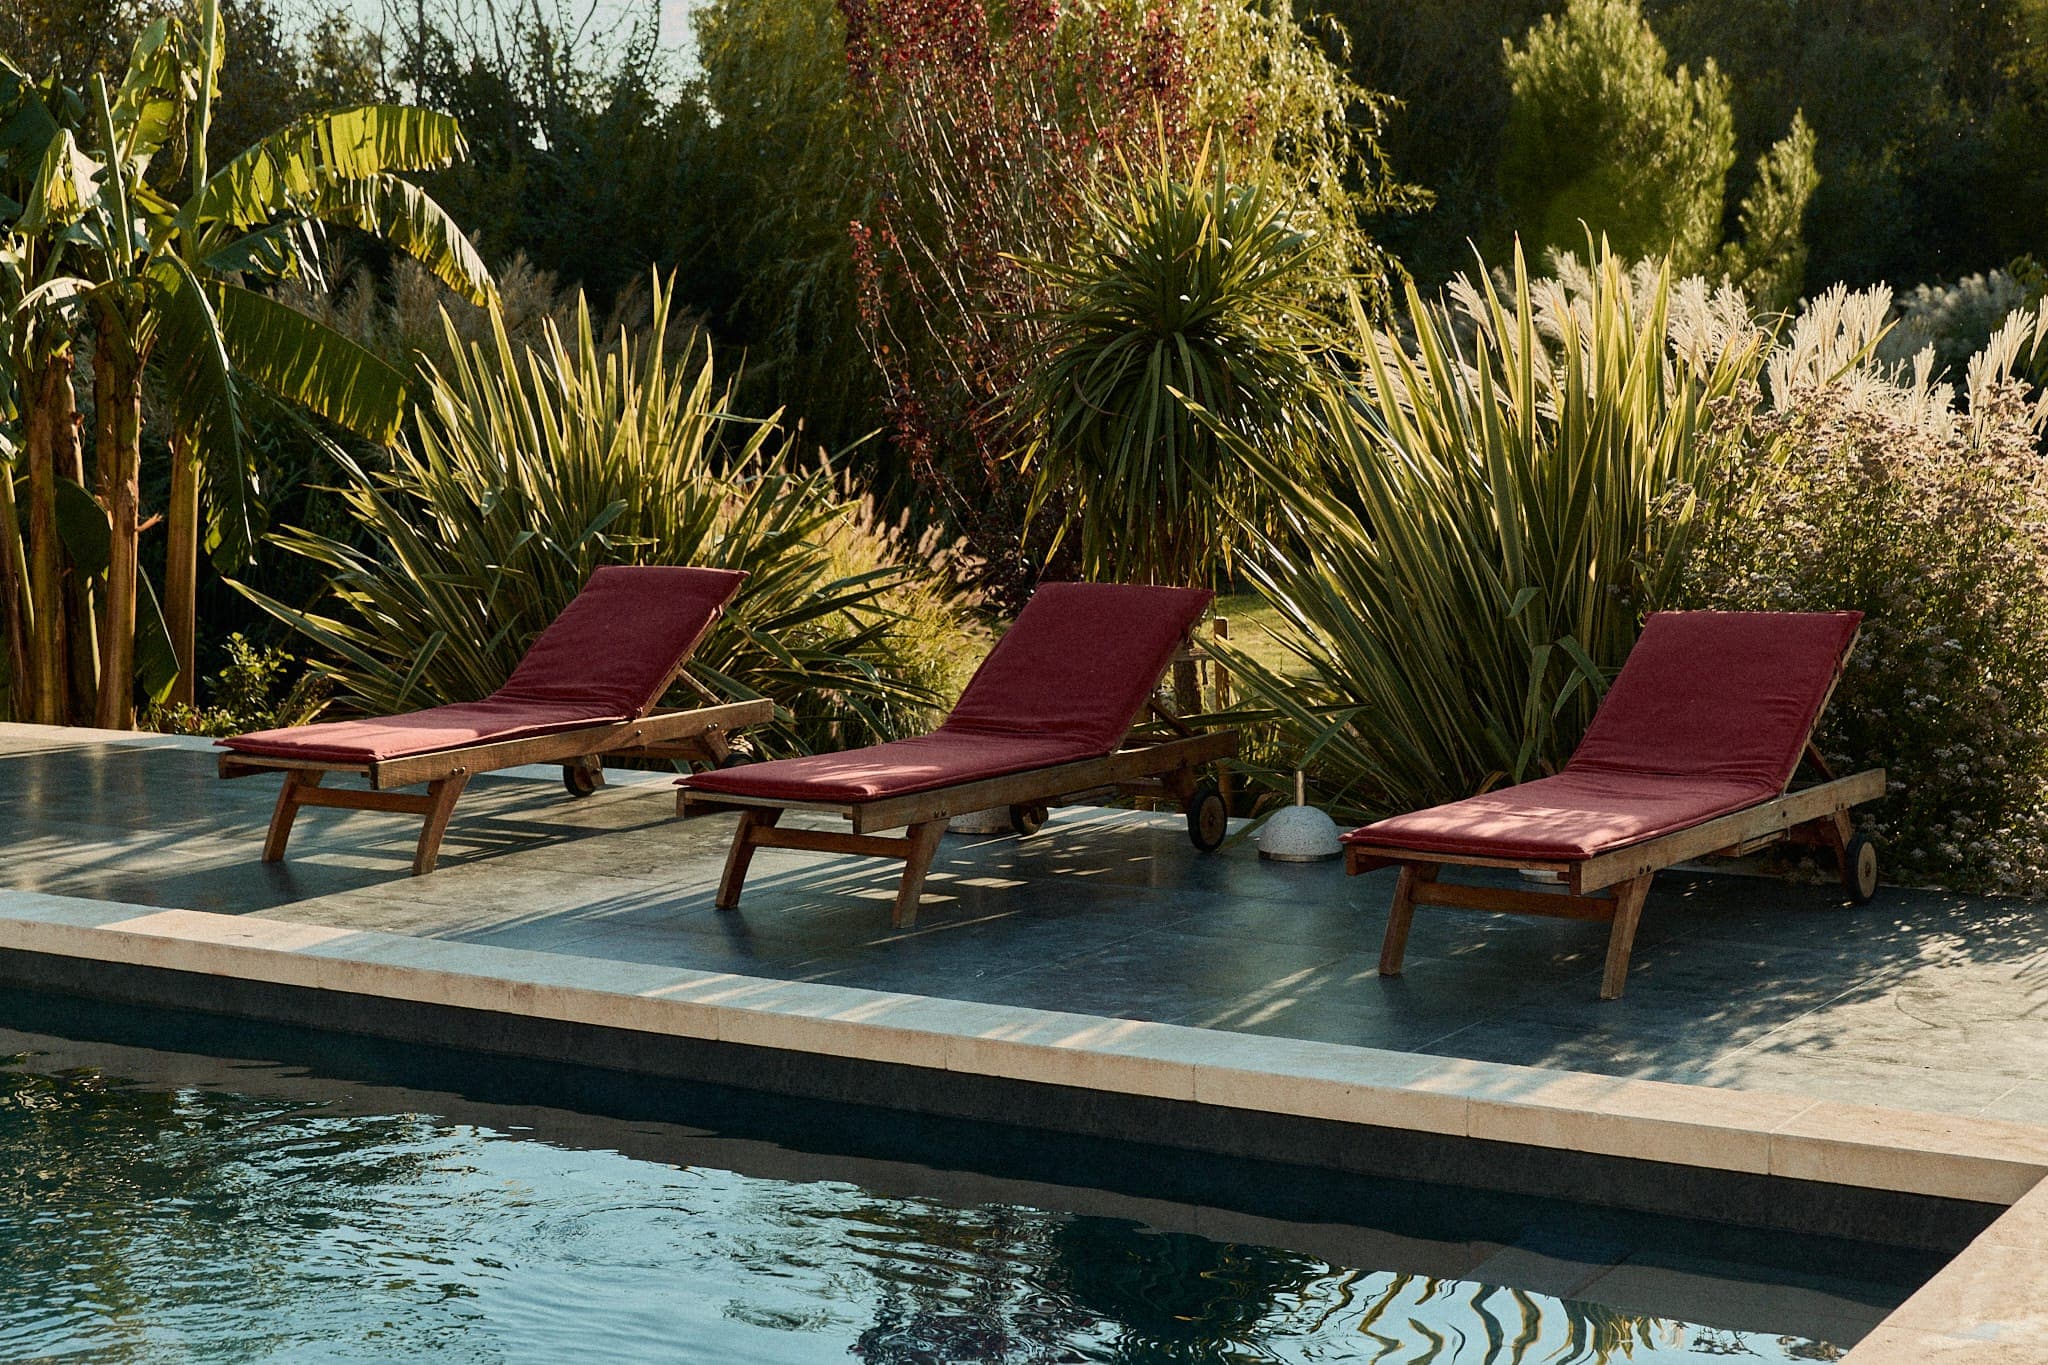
166	1206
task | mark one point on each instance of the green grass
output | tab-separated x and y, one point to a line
1252	623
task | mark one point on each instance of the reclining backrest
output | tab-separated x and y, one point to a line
1079	663
1730	696
618	645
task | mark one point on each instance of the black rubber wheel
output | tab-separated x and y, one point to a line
735	759
1859	868
1028	820
578	780
1208	818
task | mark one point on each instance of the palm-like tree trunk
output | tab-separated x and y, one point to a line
52	445
117	393
181	568
17	617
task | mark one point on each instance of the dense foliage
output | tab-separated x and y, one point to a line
529	467
1000	124
1187	294
1928	118
1472	556
1875	491
1601	135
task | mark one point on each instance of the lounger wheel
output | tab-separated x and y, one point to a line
735	759
1208	818
1859	868
580	779
1028	820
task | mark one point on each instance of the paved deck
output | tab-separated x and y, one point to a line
1920	1000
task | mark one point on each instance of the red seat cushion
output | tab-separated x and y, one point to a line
1566	818
608	657
1710	714
420	732
619	643
1731	694
1065	683
1080	662
941	759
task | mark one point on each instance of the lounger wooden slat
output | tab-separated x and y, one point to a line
585	691
1068	684
1634	770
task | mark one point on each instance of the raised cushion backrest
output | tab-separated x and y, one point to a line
1079	662
618	645
1724	695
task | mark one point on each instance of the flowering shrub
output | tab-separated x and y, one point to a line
1874	491
1957	320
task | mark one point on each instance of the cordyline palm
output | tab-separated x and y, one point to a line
1188	289
168	282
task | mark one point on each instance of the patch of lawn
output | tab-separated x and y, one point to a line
1252	626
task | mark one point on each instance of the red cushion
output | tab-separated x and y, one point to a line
1065	683
1565	818
608	657
1710	714
1730	694
941	759
420	732
1079	663
620	642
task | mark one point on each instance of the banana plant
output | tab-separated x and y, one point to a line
174	284
45	608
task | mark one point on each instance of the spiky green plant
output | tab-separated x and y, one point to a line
529	468
1473	557
1188	284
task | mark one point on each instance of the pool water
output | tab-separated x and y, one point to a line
212	1211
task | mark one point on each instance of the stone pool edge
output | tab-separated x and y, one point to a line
1989	1305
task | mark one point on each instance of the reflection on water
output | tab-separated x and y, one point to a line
159	1224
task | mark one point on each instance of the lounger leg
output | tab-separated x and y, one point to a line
442	795
1395	946
924	845
742	854
1621	938
287	810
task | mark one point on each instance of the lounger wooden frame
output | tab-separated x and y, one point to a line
1611	887
1159	767
699	733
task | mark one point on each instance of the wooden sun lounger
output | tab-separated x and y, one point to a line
934	777
1608	880
667	733
663	612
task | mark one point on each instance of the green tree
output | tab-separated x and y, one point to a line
1439	61
1603	134
1768	262
45	607
1929	115
179	273
764	242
